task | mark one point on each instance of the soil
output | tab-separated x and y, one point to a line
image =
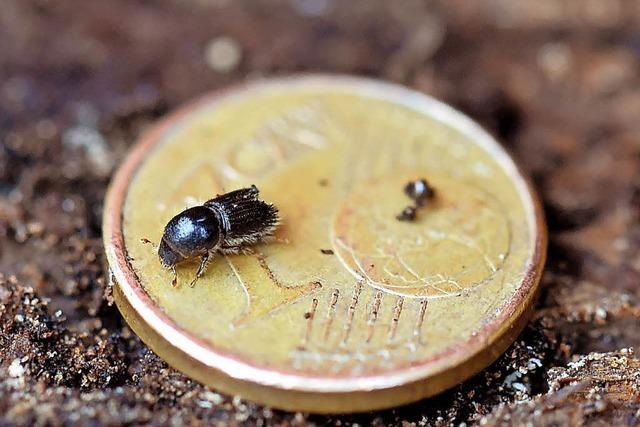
557	82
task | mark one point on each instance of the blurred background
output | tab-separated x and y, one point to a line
557	81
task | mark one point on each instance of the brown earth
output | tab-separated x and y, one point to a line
557	81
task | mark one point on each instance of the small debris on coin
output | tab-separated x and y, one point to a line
419	191
407	214
327	251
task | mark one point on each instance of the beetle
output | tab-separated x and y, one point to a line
228	224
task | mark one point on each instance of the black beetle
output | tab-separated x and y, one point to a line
227	224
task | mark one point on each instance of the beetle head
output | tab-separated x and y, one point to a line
168	257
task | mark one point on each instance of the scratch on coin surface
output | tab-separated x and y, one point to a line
351	312
373	315
417	277
469	243
363	276
244	287
396	318
444	279
331	312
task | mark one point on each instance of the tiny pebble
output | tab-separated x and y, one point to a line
223	54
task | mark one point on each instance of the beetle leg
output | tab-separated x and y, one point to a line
204	261
174	282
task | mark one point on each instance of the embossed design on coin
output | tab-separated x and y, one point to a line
264	291
460	242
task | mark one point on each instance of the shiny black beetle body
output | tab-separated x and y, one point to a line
227	224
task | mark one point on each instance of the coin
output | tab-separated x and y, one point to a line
348	309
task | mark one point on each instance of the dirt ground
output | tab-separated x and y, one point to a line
557	82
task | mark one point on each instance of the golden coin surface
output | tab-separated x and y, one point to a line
348	309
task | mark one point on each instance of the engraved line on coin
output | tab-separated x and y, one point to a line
411	282
309	315
420	320
265	267
461	239
245	290
331	312
471	244
261	297
395	319
388	287
404	264
351	312
263	263
361	277
428	282
424	281
373	315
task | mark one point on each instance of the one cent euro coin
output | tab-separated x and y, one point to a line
350	307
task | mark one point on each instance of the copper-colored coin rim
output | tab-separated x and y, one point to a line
481	348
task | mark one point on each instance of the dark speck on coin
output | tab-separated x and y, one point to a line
419	191
407	214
